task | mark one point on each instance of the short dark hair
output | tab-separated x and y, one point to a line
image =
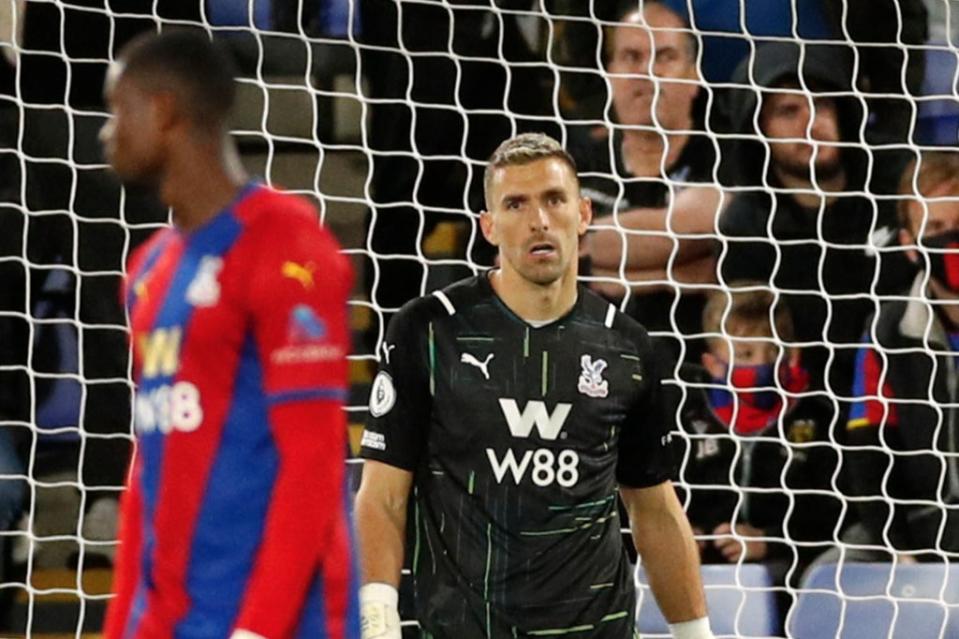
525	148
189	64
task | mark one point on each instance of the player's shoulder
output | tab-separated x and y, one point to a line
601	313
442	303
284	223
142	255
463	294
266	212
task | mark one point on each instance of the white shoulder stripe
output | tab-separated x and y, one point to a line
441	296
610	316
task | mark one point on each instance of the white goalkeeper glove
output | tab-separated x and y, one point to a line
695	629
379	612
245	634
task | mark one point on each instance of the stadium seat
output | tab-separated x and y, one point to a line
866	600
228	13
938	122
740	599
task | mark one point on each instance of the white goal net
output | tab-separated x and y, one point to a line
751	165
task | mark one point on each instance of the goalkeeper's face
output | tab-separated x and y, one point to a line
535	218
131	137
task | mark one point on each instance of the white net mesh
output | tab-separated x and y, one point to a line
384	113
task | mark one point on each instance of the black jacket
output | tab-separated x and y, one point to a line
826	261
919	453
783	479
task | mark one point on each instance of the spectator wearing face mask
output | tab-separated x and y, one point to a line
905	426
756	462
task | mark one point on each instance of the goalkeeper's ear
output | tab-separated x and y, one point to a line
488	228
585	214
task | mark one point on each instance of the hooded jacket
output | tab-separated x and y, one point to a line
818	67
825	260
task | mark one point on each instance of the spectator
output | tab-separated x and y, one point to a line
655	151
891	75
731	32
905	379
759	462
887	74
277	46
51	116
577	39
807	222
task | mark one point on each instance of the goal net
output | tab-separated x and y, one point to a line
738	156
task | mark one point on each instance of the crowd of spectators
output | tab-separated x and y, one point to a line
760	207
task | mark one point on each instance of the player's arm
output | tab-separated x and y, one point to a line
665	542
393	442
297	296
645	243
699	270
660	529
126	572
381	526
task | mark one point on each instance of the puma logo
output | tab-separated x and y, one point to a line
301	273
467	358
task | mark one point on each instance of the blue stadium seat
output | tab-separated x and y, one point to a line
938	122
860	601
230	13
740	599
61	408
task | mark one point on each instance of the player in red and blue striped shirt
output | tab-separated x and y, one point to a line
236	519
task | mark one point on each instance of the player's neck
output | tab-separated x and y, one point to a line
203	181
534	302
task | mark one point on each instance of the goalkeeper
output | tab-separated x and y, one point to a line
512	406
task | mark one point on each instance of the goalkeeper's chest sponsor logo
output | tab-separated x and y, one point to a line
543	466
548	424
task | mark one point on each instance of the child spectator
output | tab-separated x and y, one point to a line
757	463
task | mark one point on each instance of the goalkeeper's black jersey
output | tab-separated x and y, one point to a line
518	437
